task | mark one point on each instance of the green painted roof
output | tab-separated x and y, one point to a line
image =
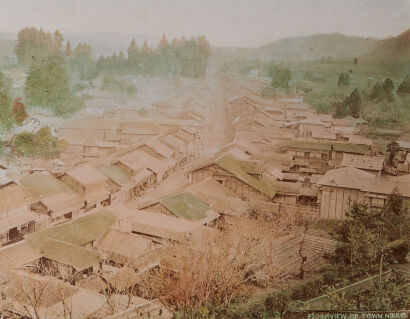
80	231
116	173
42	185
236	168
68	254
186	206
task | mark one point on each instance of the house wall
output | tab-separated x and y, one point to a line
242	189
336	201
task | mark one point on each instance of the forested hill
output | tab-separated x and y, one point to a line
393	49
334	46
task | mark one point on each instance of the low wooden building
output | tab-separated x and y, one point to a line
90	182
16	219
339	188
166	227
232	173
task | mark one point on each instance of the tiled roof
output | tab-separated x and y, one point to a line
363	161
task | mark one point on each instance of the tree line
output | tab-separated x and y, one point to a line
188	58
51	65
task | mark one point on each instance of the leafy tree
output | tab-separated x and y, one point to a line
6	116
35	45
404	87
277	303
353	103
68	50
81	62
390	294
281	78
382	91
341	110
308	76
388	87
48	84
19	111
344	79
364	237
272	70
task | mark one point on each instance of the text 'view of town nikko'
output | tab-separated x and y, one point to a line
204	159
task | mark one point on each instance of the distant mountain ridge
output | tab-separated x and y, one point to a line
392	49
304	48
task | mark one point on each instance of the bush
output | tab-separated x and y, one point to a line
41	144
131	89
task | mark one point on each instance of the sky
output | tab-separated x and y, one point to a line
224	22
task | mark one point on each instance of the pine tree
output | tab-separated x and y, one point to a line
68	50
404	87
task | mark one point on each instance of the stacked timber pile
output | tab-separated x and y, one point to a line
287	251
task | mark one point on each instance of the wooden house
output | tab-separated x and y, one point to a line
232	173
90	182
339	188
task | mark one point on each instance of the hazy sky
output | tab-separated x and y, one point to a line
224	22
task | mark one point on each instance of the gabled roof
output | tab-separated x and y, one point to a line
156	220
186	206
184	135
179	144
135	160
347	177
210	186
323	135
61	201
159	147
87	175
39	186
80	231
66	253
12	198
233	166
273	109
115	173
126	244
141	128
374	163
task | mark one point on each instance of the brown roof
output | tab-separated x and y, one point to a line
347	177
156	221
135	160
126	244
185	136
87	175
323	135
179	144
61	201
374	163
159	147
210	186
12	197
141	128
19	254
